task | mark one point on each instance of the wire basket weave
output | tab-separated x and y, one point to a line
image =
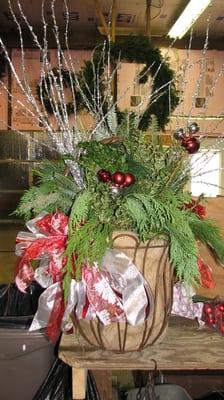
152	260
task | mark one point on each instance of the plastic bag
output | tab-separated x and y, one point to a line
91	392
58	384
217	395
14	303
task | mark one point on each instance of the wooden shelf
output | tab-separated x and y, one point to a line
185	347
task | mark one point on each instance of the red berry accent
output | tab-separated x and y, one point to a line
104	176
196	208
118	178
129	179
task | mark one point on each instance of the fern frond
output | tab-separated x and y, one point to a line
34	201
210	234
25	206
88	243
158	213
138	215
55	191
183	252
80	208
47	169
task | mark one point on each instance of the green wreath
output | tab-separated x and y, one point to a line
140	50
137	49
44	87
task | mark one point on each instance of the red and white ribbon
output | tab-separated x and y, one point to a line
46	242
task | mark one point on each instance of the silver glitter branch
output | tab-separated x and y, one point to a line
202	70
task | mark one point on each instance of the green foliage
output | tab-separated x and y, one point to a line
80	210
150	214
38	199
137	213
208	233
155	216
153	206
183	247
111	158
55	191
183	252
88	243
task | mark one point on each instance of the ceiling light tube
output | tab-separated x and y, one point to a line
188	17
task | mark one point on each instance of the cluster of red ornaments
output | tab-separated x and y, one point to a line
190	143
213	315
118	178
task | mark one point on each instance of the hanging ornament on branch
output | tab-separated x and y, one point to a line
179	134
193	127
191	144
188	141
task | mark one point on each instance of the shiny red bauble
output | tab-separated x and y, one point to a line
129	179
207	309
191	144
104	176
118	178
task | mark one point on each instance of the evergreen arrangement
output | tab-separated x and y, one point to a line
132	182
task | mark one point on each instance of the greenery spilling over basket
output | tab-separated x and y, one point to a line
132	182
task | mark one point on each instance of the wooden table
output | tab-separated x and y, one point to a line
185	347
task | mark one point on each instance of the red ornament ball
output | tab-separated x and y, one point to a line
129	179
104	176
207	309
221	307
191	144
118	178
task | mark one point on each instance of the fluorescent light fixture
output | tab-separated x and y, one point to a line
188	17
